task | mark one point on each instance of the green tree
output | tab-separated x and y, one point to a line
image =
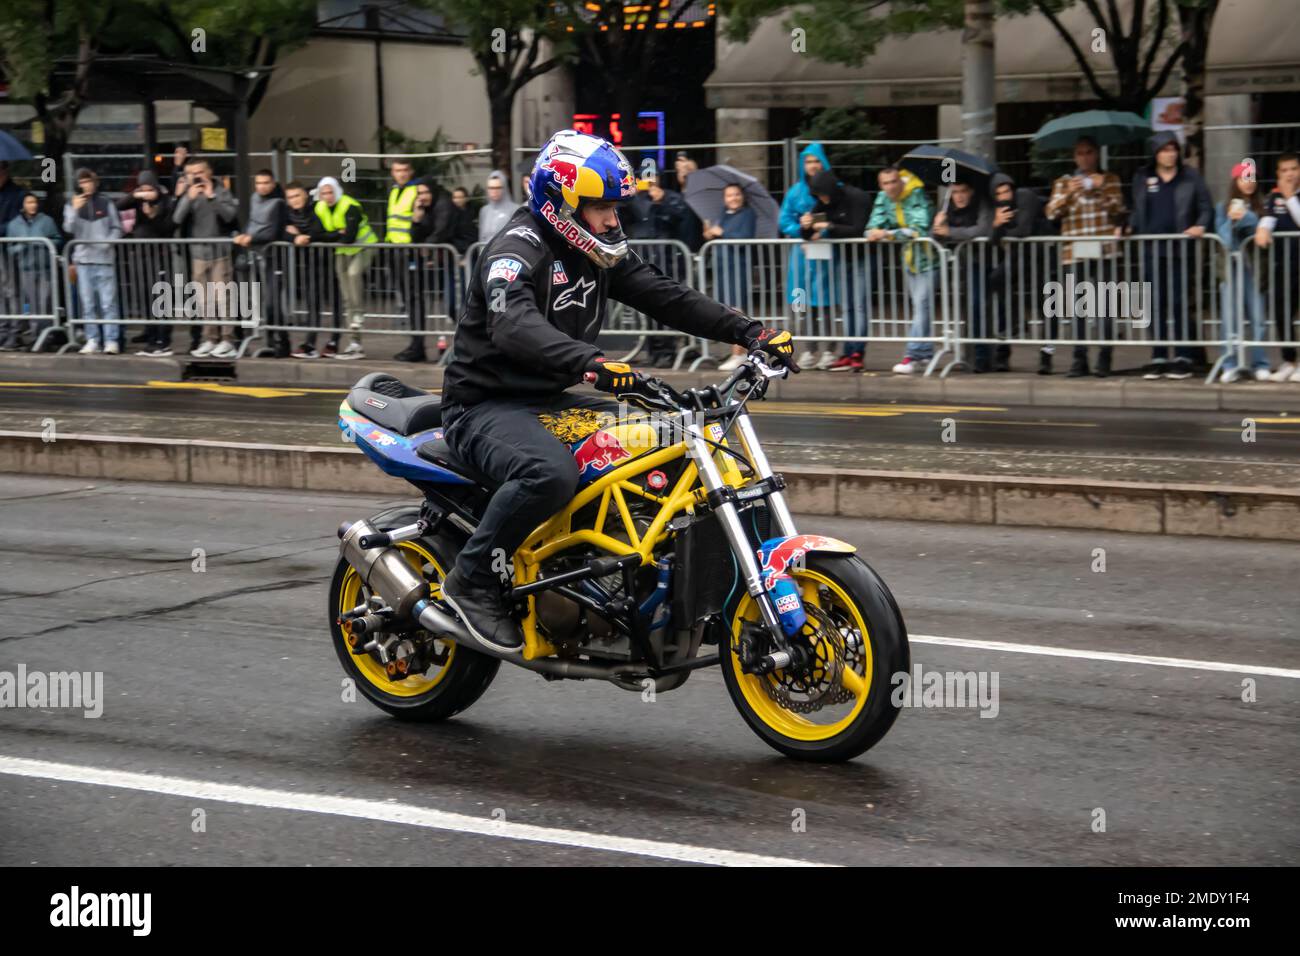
49	48
507	39
1143	44
852	163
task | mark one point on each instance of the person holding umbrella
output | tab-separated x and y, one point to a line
968	215
738	222
1087	203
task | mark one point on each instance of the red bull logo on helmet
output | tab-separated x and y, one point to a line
567	230
597	453
563	171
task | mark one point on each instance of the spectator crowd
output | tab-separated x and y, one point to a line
1166	198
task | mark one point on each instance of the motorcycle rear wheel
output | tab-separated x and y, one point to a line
440	692
850	592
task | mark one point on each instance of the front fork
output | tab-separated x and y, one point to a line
728	516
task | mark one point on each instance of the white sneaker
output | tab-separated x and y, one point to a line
1261	374
1283	373
905	367
204	350
1231	375
353	351
224	350
91	347
1295	376
731	364
828	358
112	348
808	359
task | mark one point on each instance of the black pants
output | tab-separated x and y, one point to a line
1172	301
1284	290
413	293
1094	271
535	473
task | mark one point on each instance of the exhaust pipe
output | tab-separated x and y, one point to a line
385	570
387	573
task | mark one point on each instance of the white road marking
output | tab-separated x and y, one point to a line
383	812
1083	654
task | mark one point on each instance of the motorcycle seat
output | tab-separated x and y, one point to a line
394	405
437	451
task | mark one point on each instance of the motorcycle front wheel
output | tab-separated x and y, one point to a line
840	707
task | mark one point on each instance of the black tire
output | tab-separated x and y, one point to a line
891	654
468	673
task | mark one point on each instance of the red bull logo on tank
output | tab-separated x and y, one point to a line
598	453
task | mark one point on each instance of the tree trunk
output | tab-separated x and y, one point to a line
978	101
58	129
1195	28
501	105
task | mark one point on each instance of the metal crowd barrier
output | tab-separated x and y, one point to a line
1157	291
386	289
1161	291
29	281
1261	303
159	282
833	291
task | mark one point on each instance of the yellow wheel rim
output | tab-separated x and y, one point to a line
857	680
350	595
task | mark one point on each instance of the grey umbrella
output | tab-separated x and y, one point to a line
12	151
704	195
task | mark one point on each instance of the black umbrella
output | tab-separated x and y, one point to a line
943	166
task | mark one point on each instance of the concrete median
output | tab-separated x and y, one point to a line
1148	508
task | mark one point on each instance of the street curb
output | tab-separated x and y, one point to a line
1145	508
1119	391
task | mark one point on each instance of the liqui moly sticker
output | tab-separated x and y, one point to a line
558	275
504	268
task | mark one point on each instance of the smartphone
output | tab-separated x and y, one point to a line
1237	205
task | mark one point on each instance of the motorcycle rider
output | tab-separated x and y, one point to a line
527	333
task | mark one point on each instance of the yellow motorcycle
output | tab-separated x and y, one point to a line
678	552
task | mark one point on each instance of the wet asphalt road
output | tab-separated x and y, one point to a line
227	676
1104	443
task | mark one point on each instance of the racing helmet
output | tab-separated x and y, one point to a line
572	170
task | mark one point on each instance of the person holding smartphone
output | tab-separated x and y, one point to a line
1236	221
1087	203
206	211
90	217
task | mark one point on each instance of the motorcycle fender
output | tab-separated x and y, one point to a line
776	556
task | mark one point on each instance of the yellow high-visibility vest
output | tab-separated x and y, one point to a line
335	220
401	206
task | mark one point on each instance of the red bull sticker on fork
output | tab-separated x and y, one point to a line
778	554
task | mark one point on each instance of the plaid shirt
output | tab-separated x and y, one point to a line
1094	212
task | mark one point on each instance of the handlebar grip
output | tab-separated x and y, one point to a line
381	540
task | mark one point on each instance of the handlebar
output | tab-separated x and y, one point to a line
754	368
